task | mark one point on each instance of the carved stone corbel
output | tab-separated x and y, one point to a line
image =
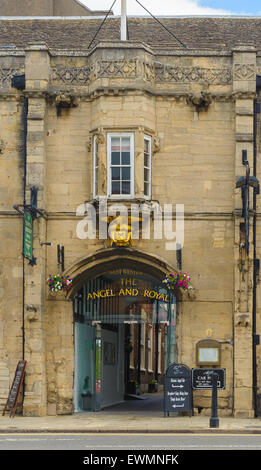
89	143
100	138
2	146
200	100
155	144
65	100
31	313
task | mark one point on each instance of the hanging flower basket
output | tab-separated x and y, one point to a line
181	280
57	282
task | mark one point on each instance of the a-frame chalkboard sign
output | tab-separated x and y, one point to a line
12	400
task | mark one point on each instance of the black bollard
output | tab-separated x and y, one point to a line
214	421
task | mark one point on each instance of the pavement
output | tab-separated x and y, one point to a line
132	416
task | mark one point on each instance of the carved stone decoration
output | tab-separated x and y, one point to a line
244	71
74	75
200	100
89	143
31	313
2	146
117	68
155	144
100	138
149	72
66	100
169	73
6	74
242	319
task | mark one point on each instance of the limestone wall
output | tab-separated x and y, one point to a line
198	110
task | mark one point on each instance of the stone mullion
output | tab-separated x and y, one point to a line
244	86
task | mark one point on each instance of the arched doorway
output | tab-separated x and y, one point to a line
124	325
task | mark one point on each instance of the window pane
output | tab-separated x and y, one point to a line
96	181
146	160
125	175
146	175
146	189
146	146
125	158
115	173
115	158
125	187
115	144
125	144
96	154
115	187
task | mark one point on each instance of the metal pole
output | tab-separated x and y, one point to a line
157	343
123	20
255	271
139	353
214	421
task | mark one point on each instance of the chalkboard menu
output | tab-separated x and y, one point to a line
177	389
13	396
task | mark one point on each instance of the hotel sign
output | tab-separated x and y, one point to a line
28	236
128	287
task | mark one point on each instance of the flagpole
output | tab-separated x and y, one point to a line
123	20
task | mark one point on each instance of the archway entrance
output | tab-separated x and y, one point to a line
125	335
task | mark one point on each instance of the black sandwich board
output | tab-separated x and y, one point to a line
177	389
12	400
202	379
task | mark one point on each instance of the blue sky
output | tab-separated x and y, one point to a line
235	6
182	7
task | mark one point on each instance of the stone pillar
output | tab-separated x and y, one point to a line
37	66
244	88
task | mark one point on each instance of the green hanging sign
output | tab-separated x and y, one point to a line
28	236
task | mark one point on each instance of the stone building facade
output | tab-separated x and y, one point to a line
186	114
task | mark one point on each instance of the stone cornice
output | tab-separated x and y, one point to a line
77	94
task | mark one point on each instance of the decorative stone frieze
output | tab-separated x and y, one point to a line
244	71
73	75
151	72
6	75
169	73
117	68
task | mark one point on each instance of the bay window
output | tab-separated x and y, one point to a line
117	155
